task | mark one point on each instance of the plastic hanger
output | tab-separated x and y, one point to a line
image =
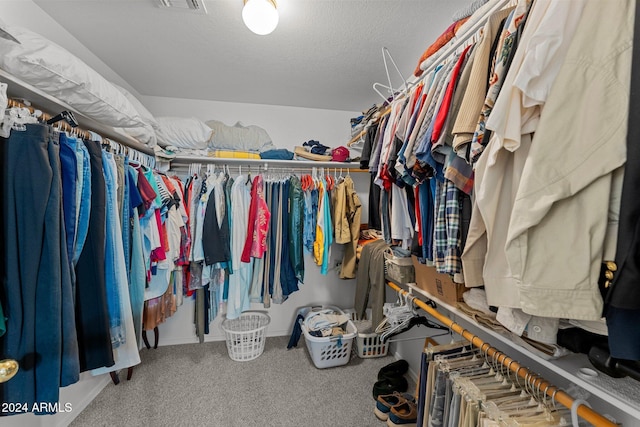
389	88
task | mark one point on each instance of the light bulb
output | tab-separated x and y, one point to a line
260	16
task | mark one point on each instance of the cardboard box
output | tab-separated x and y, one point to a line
437	284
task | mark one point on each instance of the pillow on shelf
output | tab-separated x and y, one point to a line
140	108
57	72
239	137
146	134
183	132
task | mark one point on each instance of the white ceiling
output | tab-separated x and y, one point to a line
324	53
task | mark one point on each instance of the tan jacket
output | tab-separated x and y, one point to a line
560	215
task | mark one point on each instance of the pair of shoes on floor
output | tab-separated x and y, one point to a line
391	379
397	409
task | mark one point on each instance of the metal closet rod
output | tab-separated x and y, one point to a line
12	103
534	381
83	133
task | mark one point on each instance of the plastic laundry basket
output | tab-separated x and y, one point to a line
327	352
368	345
245	335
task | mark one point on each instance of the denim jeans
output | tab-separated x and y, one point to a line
70	366
84	201
111	273
384	213
92	315
125	222
69	170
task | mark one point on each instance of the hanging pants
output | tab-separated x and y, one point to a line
36	283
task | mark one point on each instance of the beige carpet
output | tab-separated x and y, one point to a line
199	385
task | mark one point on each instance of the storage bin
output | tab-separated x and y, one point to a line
245	336
399	270
327	352
368	345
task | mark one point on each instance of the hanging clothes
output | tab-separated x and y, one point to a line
39	321
241	278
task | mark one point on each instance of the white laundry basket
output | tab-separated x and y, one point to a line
327	352
368	345
245	335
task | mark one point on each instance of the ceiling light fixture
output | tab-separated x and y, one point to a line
260	16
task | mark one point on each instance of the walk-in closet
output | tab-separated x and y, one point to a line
320	213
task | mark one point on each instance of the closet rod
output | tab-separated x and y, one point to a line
534	381
12	103
456	42
441	54
83	133
292	164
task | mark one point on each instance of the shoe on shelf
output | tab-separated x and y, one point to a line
385	402
395	369
390	385
404	414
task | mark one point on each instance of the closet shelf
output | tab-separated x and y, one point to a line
183	160
623	393
19	89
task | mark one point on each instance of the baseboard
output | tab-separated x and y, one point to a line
414	376
212	338
80	406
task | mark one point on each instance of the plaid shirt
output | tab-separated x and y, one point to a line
447	229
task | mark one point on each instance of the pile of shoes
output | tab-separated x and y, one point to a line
393	405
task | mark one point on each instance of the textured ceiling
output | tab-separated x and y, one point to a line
324	53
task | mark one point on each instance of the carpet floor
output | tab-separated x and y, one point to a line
199	385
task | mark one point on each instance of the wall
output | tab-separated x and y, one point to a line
288	127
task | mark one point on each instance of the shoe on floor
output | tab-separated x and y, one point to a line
384	403
389	385
395	369
404	414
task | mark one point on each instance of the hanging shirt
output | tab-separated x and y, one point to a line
259	216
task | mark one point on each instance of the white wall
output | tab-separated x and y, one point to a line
287	126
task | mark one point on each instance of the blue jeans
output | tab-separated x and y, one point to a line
137	280
84	182
126	221
69	170
111	275
384	213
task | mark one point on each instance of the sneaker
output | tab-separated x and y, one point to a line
389	386
404	414
385	402
395	369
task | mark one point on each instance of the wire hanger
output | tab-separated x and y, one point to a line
390	90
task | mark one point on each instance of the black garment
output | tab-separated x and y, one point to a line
367	148
625	289
92	316
296	333
465	218
375	222
215	238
